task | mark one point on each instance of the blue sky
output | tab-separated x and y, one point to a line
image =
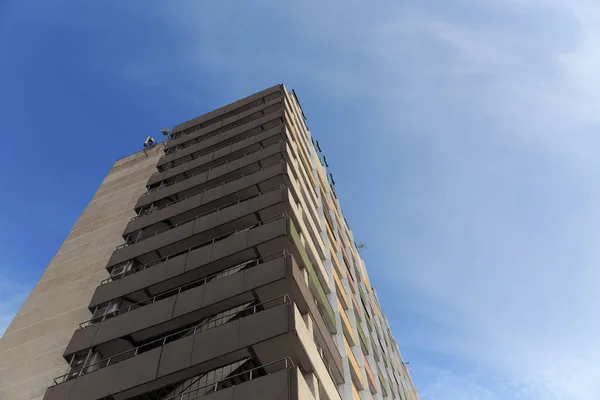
462	134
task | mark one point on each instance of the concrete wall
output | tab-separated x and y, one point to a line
32	346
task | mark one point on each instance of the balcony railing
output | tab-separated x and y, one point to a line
217	131
183	288
164	185
201	327
272	367
204	214
138	268
150	211
203	152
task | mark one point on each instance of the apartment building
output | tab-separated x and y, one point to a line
216	265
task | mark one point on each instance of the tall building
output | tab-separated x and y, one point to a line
214	265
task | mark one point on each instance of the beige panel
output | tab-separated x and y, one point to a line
306	337
304	392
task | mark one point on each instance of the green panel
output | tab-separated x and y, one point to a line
381	380
368	320
363	339
321	296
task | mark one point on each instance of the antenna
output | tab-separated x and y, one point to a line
360	246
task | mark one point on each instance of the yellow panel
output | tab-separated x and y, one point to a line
337	214
346	259
375	307
321	177
307	165
336	263
324	196
348	330
355	395
330	233
366	277
354	370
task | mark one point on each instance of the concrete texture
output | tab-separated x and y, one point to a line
32	346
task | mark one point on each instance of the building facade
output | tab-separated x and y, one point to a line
217	264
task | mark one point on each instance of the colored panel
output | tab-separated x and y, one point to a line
370	377
348	331
330	234
340	289
354	370
381	381
358	309
355	395
320	295
303	156
363	339
321	177
336	263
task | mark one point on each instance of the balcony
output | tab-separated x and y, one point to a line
210	200
255	279
175	283
179	355
270	331
220	138
244	266
276	380
259	240
215	211
209	323
202	232
251	118
220	114
211	177
219	157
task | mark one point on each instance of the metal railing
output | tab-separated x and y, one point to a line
201	327
164	185
204	214
189	249
275	366
204	151
199	282
192	143
217	130
204	190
